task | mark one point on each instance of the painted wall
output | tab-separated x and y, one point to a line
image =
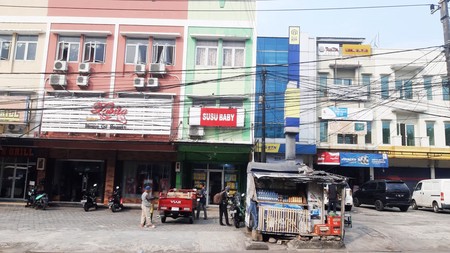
225	10
23	8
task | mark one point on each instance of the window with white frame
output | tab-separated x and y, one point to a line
26	47
206	53
233	53
68	48
163	51
5	46
136	51
94	49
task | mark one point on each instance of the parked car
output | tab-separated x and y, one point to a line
348	198
383	193
433	193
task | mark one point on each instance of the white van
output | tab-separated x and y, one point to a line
433	193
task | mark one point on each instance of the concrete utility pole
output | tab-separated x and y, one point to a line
263	104
443	6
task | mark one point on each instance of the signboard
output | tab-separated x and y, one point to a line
216	117
364	160
14	109
356	50
328	158
121	116
344	113
294	35
328	49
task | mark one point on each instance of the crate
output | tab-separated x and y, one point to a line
322	229
334	221
282	220
335	230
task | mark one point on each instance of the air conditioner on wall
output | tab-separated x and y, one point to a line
152	82
56	79
196	131
139	69
84	67
60	66
139	82
82	80
14	129
158	68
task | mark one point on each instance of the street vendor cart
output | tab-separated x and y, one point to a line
178	203
287	199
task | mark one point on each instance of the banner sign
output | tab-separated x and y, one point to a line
344	113
364	160
356	50
328	49
294	35
328	158
216	117
14	109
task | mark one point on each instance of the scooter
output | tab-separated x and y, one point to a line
31	197
115	201
237	210
41	201
89	199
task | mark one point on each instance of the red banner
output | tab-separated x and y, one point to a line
218	117
330	158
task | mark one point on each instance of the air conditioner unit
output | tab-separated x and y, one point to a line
158	68
196	131
139	69
152	82
82	80
139	82
56	79
84	67
15	129
60	66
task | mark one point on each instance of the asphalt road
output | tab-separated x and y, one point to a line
70	229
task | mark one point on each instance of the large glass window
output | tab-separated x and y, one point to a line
324	131
233	53
137	175
410	135
385	87
68	49
323	85
404	89
347	139
26	47
136	51
447	134
163	51
427	86
342	81
5	46
366	82
94	49
445	89
206	53
386	125
368	137
430	132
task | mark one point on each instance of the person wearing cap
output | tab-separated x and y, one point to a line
146	207
223	206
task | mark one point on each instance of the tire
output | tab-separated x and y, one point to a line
191	220
95	207
86	208
163	219
379	205
414	205
236	221
435	207
113	208
404	208
348	208
356	202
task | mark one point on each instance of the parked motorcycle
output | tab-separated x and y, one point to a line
237	209
37	200
90	199
31	197
115	201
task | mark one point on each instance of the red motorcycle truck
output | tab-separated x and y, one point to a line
178	203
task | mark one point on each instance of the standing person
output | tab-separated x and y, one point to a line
145	206
332	197
202	202
223	206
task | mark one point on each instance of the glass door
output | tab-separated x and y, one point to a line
13	182
215	184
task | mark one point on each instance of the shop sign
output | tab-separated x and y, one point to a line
344	113
328	158
328	49
364	160
17	151
356	50
270	147
216	117
14	109
294	35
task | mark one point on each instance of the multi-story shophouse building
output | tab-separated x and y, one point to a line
286	68
381	113
111	87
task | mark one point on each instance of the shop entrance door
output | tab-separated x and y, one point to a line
13	182
215	184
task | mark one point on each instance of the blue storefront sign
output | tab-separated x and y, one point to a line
364	160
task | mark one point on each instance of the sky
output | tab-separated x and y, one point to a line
387	28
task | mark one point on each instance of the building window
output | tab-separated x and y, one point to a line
427	87
26	47
384	87
386	125
324	131
322	85
368	137
163	51
447	134
430	133
206	53
342	81
68	49
366	82
5	47
136	51
94	49
347	139
404	89
407	134
445	89
230	103
204	102
233	53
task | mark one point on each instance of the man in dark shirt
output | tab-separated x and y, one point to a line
332	197
202	201
223	207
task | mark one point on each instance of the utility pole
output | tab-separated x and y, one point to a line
263	118
443	6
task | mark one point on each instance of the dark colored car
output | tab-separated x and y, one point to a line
383	193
